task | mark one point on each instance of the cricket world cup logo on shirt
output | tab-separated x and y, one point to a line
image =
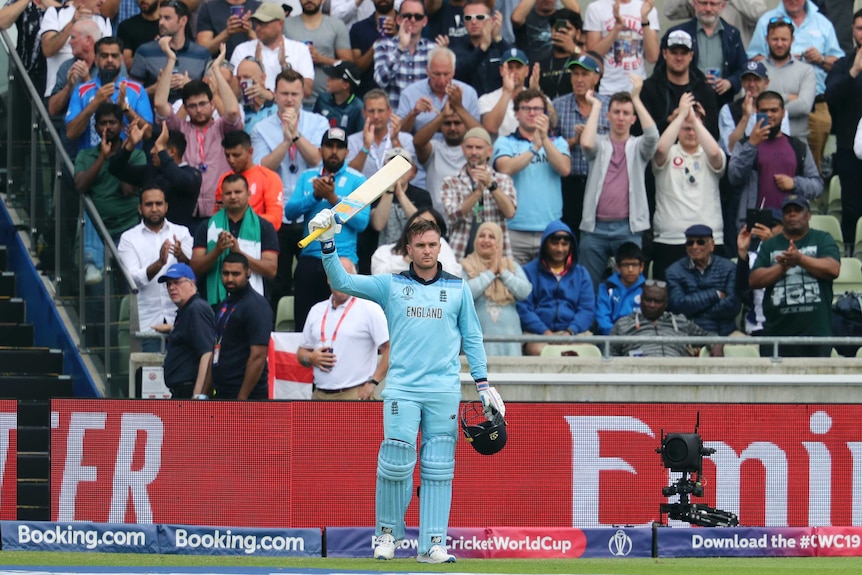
407	293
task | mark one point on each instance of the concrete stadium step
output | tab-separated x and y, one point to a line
7	284
17	335
12	310
31	361
35	386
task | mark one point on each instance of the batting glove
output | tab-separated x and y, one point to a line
324	220
492	403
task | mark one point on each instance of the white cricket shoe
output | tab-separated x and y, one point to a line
92	274
437	554
384	546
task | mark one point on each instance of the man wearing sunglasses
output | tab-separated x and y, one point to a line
653	320
814	42
702	285
403	59
479	52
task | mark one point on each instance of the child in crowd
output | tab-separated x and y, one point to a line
620	295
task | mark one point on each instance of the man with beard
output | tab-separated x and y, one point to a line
327	40
654	320
717	46
191	60
737	120
769	166
566	41
443	158
202	132
273	51
315	191
797	268
235	229
363	35
139	29
674	77
146	251
237	368
477	194
264	185
793	79
107	86
573	110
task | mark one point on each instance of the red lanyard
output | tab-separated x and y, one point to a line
337	325
201	137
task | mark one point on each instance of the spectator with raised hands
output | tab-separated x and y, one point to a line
687	165
202	131
403	58
225	22
531	22
480	49
365	33
566	31
80	68
497	108
615	200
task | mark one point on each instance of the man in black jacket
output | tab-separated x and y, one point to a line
673	78
843	91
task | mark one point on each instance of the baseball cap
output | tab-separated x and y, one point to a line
755	68
515	55
585	61
178	271
268	12
344	70
679	38
479	132
404	153
795	200
334	135
698	231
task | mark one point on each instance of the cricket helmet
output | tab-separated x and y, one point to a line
486	436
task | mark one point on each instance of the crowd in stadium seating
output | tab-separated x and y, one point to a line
567	180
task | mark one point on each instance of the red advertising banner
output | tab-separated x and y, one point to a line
8	459
312	464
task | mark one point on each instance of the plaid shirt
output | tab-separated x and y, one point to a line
128	8
394	70
455	189
570	116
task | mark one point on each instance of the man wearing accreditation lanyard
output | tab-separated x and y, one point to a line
431	316
344	353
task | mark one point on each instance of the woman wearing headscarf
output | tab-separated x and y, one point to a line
496	282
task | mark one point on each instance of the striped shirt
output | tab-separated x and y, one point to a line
667	325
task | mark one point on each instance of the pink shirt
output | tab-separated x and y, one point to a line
614	197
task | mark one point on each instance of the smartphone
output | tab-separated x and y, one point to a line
762	117
753	217
561	25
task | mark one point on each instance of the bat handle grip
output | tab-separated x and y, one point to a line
311	237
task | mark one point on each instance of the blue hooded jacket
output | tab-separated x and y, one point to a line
557	304
615	301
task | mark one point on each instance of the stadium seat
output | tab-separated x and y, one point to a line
581	349
849	278
830	225
742	350
284	318
833	201
857	245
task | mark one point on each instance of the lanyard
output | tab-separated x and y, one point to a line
201	135
337	325
222	325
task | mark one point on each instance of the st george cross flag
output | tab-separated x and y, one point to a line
288	379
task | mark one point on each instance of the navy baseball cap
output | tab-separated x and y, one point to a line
515	55
585	61
698	231
795	200
344	70
756	69
178	272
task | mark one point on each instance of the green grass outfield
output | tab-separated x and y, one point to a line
710	566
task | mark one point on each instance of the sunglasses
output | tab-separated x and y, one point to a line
655	283
780	21
412	16
698	241
477	17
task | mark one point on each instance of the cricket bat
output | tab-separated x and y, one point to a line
365	194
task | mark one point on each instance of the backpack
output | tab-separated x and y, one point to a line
847	321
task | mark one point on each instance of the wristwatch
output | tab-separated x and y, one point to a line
372	380
493	186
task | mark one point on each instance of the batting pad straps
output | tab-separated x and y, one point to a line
396	461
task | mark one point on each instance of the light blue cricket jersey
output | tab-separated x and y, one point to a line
425	321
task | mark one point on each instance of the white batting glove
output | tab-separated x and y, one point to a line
324	220
492	403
